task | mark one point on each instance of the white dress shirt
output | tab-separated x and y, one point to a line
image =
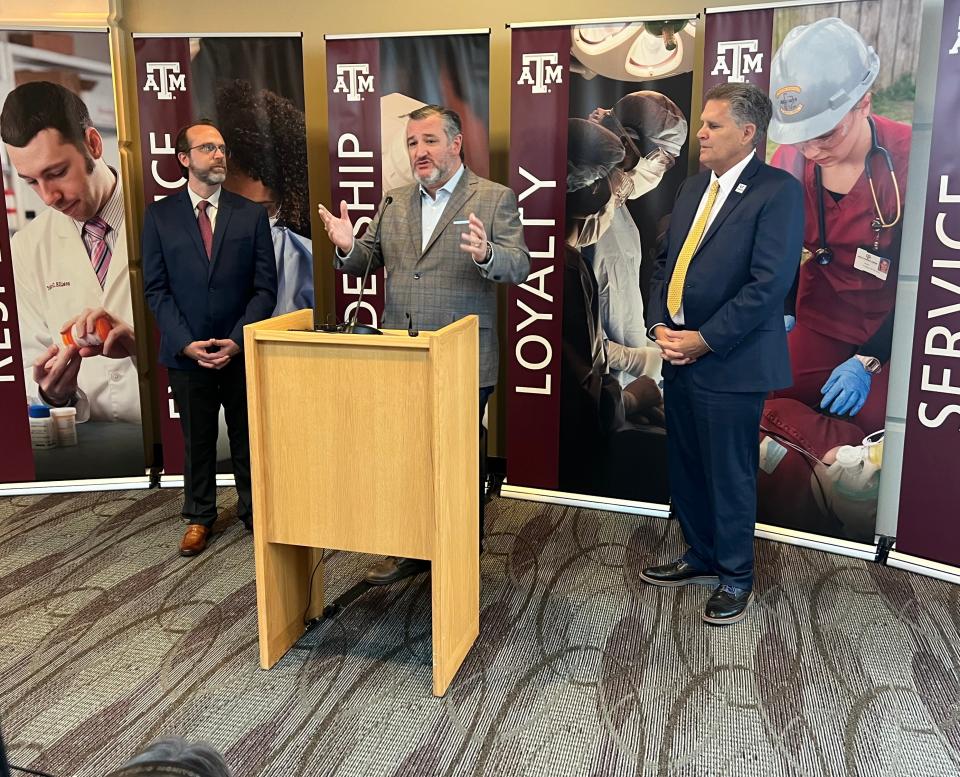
213	199
431	208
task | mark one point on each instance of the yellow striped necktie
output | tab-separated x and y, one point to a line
675	289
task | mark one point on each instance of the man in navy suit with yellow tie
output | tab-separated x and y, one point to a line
209	269
716	311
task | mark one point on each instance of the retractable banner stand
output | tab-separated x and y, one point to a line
930	491
598	148
251	87
69	394
373	82
843	93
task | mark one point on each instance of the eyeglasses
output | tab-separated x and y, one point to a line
828	140
209	148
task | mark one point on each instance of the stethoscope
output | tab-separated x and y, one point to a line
824	254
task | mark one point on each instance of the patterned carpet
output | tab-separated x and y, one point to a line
108	639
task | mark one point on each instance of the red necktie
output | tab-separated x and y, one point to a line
206	229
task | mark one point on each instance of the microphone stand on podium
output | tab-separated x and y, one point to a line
351	327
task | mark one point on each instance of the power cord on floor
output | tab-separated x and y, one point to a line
307	621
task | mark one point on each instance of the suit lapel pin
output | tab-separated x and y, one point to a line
741	188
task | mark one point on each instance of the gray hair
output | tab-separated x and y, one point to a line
748	105
175	756
451	119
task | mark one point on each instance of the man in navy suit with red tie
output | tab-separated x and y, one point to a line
209	269
716	311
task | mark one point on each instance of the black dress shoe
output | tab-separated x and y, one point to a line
727	605
394	568
247	523
676	574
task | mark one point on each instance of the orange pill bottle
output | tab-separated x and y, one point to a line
101	330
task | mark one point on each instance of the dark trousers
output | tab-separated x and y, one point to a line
199	394
485	392
713	454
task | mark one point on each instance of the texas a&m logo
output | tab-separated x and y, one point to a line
540	70
736	59
354	80
165	78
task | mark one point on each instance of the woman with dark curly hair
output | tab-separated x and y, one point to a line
266	140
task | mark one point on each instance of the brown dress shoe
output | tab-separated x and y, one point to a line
194	540
394	568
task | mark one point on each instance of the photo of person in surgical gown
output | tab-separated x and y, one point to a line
652	130
629	99
594	429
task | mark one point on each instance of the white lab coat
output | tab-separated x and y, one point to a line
616	265
54	281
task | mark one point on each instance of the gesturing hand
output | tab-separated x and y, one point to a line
339	230
474	240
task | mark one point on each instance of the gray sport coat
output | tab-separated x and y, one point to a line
441	284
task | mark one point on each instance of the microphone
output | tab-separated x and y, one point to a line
410	328
351	326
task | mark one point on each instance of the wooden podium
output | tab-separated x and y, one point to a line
364	443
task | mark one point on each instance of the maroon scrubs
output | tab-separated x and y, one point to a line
839	307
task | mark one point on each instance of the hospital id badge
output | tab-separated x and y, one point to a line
872	264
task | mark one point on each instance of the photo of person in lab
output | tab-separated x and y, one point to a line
70	261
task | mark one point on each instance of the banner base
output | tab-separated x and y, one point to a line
763	531
817	542
585	500
176	481
922	566
69	486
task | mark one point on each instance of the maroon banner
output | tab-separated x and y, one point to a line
163	87
353	76
373	83
600	117
927	524
539	104
16	458
251	88
738	47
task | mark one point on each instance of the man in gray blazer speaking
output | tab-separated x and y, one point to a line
444	241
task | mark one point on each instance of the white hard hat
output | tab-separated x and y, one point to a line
818	74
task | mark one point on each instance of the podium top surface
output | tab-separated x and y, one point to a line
297	327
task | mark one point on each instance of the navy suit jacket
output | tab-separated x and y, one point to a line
196	298
737	280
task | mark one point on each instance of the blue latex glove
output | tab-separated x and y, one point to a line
847	388
789	322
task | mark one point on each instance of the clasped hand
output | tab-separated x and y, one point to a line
199	351
680	347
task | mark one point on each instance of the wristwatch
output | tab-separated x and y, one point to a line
489	254
870	363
